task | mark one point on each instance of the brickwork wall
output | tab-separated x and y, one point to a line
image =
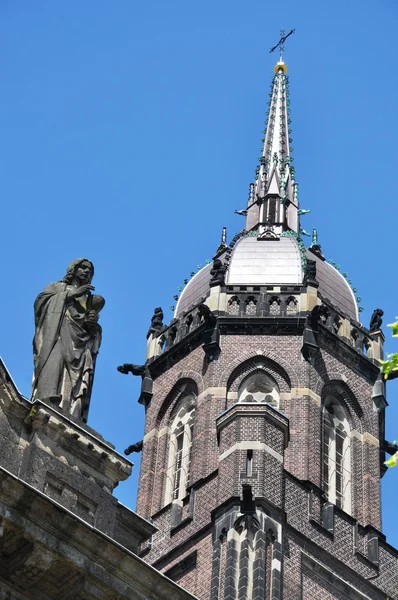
299	580
302	388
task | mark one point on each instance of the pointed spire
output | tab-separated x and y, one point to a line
273	198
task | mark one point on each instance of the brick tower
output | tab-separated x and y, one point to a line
264	433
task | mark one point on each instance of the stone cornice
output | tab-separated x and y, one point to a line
106	563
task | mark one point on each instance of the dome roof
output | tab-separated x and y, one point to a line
272	262
334	287
195	289
265	262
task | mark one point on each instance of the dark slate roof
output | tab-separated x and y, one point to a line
195	289
334	287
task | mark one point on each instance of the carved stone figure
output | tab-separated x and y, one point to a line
147	383
318	312
137	447
217	273
207	315
376	320
67	340
156	322
133	369
310	271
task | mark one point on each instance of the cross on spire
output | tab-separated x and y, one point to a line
281	43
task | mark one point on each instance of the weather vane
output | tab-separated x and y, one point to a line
281	43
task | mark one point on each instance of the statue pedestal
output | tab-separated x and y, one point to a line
73	464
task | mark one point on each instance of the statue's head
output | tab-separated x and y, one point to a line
81	269
217	264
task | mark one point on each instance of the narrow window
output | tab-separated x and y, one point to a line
180	446
340	436
189	456
178	464
249	463
272	212
336	456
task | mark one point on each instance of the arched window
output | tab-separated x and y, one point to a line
336	455
291	305
259	387
233	306
180	444
275	306
251	308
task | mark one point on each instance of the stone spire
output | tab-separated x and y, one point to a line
273	197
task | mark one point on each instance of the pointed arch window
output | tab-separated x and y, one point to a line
272	210
180	446
259	387
233	306
336	455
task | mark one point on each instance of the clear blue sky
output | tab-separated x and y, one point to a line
131	130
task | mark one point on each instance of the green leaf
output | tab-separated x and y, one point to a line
394	328
389	365
392	461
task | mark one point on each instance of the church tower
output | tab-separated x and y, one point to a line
264	428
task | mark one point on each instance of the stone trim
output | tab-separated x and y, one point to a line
155	432
247	445
181	568
299	391
249	409
365	437
331	579
291	376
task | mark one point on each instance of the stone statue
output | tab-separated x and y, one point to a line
376	320
156	322
217	273
67	340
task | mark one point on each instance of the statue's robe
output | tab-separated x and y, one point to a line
64	352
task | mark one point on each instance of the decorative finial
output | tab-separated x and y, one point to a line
314	237
281	45
224	236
